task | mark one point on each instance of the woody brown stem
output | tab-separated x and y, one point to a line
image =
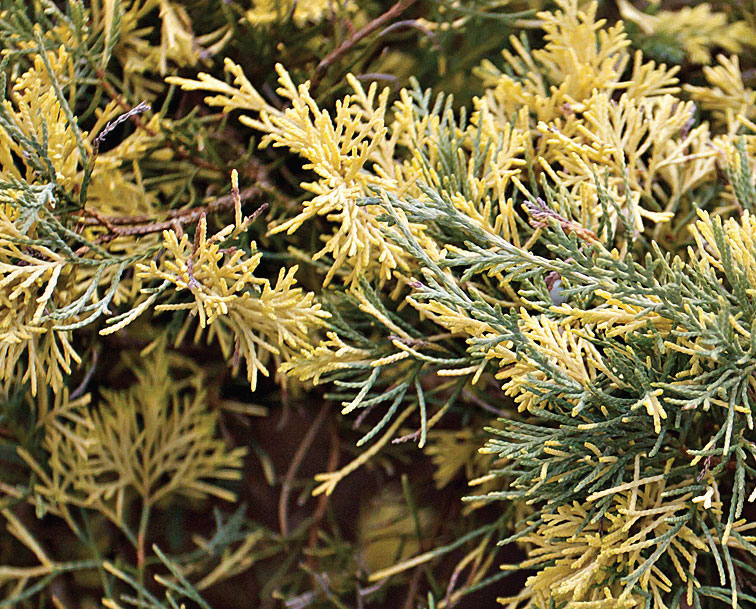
325	64
299	455
219	203
129	226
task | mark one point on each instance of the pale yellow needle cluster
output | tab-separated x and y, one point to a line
155	439
251	319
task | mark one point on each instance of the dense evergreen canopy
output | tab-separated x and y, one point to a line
359	304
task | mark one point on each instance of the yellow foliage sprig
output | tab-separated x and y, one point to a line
251	319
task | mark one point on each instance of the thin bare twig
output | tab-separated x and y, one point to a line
296	462
325	64
219	203
540	213
333	462
176	221
79	391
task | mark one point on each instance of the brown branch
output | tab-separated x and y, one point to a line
333	461
299	455
213	206
325	64
97	218
541	213
320	510
410	600
79	391
177	218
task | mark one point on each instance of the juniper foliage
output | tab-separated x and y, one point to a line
514	241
